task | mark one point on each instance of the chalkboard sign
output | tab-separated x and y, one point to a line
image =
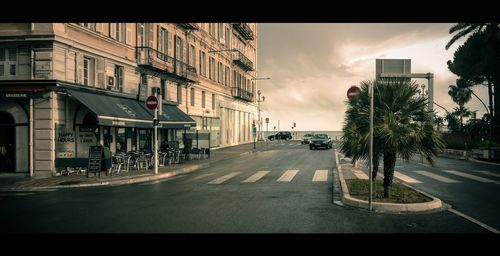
96	160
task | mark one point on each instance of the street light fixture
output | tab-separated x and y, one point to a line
259	100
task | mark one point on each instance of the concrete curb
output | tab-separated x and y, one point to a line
467	159
124	181
432	206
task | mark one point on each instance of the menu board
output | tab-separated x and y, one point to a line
96	159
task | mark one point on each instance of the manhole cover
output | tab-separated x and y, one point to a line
71	182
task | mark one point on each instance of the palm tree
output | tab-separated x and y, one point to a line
461	96
402	125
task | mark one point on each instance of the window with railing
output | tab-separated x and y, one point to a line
162	41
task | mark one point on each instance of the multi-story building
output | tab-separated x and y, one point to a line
65	86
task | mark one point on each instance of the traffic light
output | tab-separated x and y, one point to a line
294	124
156	122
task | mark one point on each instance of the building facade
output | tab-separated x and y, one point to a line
65	86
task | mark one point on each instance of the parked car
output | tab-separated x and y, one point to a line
281	136
320	140
306	139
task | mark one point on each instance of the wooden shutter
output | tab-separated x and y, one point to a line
100	66
79	67
98	27
112	30
150	34
128	28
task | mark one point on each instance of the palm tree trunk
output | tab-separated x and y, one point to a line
375	166
389	164
490	117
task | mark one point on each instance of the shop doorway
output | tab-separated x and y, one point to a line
7	142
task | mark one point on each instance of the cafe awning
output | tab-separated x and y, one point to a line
115	111
173	118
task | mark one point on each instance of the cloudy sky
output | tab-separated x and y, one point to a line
312	65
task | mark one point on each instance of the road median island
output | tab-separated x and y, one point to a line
403	198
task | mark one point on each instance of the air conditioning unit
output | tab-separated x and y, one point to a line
111	82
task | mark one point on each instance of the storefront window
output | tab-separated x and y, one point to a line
145	139
121	140
133	137
108	138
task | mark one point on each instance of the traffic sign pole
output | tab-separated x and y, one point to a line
156	134
371	146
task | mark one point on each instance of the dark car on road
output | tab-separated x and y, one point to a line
320	140
281	136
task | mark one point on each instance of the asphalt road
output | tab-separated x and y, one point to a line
471	188
278	196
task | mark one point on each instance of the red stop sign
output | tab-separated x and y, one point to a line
152	102
353	92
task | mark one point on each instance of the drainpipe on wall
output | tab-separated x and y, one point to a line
31	132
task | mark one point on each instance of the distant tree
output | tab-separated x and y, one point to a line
479	60
453	121
438	121
461	96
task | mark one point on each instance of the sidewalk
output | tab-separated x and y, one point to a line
19	182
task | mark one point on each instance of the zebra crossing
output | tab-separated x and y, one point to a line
433	176
287	176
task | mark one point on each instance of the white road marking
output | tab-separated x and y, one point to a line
437	177
257	176
287	176
360	174
405	178
320	175
493	230
224	178
489	173
201	176
163	180
472	177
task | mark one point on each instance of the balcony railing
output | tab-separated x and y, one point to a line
242	94
158	61
188	25
147	56
242	61
244	30
185	71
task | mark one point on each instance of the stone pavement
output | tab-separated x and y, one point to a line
17	182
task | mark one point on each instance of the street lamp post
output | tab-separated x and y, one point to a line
259	100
